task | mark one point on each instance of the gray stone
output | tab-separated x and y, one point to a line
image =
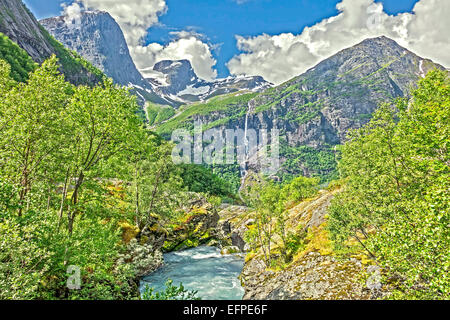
97	37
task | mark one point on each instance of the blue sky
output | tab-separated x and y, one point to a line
219	21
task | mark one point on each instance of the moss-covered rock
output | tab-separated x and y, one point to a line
129	232
197	227
153	233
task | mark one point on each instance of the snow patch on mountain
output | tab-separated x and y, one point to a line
194	91
177	83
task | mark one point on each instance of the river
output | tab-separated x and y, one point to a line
202	269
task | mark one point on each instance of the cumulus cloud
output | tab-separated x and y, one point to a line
72	14
186	46
281	57
135	17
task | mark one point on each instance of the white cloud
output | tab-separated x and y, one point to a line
186	47
72	14
281	57
135	17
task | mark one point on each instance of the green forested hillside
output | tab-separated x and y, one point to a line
19	24
157	114
20	62
199	179
230	107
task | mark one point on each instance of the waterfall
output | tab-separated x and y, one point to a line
422	71
244	164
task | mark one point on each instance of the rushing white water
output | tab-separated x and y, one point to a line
202	269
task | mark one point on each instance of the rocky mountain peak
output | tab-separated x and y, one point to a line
178	83
97	37
166	66
179	74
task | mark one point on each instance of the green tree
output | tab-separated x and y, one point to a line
61	150
22	262
33	131
156	184
395	200
300	189
271	201
103	123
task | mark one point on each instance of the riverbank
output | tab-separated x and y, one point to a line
203	269
317	272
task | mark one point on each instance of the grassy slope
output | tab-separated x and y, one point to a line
230	106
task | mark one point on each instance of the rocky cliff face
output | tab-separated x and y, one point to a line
20	25
177	83
97	37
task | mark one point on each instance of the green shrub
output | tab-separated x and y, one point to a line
202	180
170	293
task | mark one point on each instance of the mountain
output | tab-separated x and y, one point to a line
21	27
177	83
315	110
97	37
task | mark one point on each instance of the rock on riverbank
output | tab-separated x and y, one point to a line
315	272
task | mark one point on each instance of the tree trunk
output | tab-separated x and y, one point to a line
63	199
71	215
137	200
155	191
24	181
365	248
